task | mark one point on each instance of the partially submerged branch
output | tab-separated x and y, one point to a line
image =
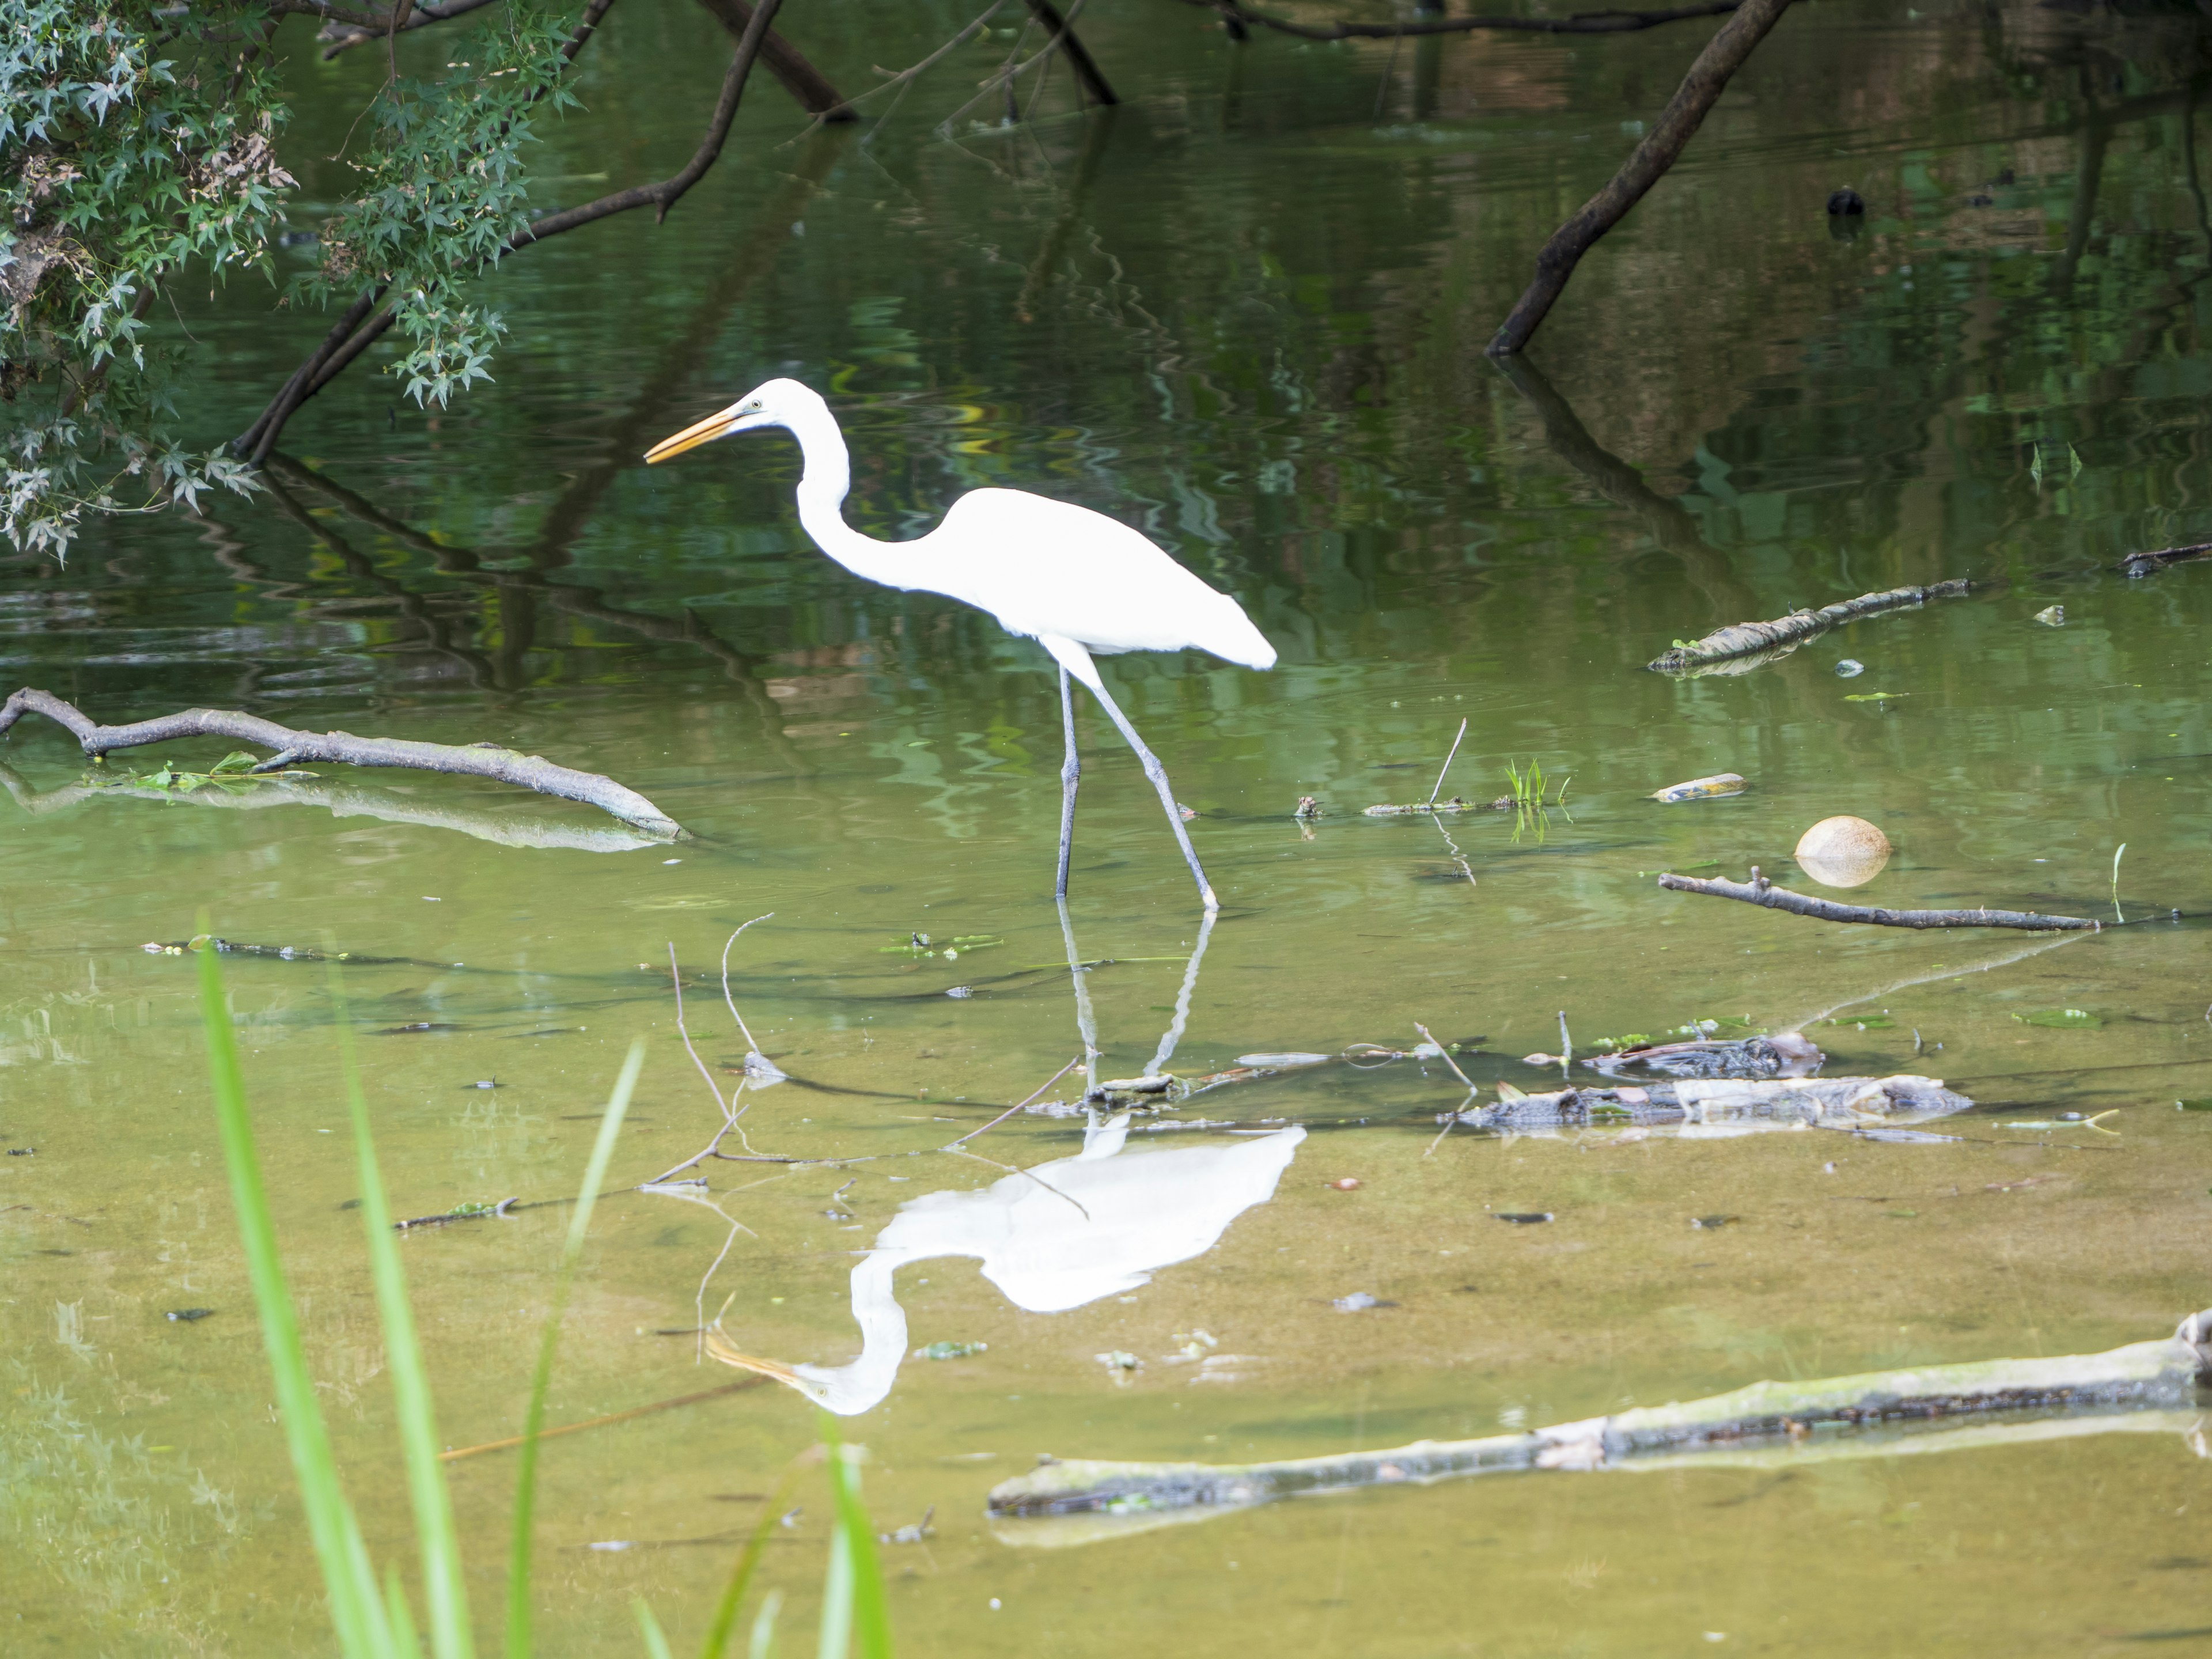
1760	892
1701	88
1834	1416
1769	639
291	744
2141	564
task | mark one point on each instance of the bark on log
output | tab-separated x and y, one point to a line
1767	1422
2141	564
1769	639
1701	87
1760	892
473	760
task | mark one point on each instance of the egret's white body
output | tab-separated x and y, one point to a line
1077	582
1052	1238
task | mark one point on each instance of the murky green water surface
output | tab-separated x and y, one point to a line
1245	313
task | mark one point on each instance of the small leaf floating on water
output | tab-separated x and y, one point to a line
1348	1184
188	1316
960	992
1523	1217
1876	696
1359	1302
1710	1222
2052	616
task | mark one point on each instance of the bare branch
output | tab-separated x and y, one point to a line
1760	892
1240	17
291	744
804	82
1724	54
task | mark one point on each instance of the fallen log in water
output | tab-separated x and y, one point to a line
485	760
1760	892
2141	564
1872	1413
1829	1103
1767	641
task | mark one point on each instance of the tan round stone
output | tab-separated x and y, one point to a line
1843	851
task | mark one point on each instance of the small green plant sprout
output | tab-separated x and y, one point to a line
2074	465
234	772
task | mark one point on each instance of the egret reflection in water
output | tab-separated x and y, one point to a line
1054	1237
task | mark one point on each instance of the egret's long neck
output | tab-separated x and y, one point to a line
822	490
852	1389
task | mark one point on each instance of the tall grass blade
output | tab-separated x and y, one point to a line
405	1641
763	1641
357	1610
741	1576
445	1592
859	1585
526	1483
648	1627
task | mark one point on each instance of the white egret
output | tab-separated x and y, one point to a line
1075	580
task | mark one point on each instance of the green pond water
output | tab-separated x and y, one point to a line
1243	312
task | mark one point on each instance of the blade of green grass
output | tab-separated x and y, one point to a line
444	1589
763	1636
853	1548
357	1610
656	1642
526	1483
741	1576
405	1640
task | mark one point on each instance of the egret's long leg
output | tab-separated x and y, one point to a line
1158	774
1071	770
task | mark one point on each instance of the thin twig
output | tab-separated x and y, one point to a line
1015	1170
1445	1052
1451	1119
459	1452
751	1046
1439	789
1011	1110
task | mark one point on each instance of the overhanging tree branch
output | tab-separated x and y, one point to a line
1701	87
1240	17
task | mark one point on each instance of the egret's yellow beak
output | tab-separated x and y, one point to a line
719	1348
701	432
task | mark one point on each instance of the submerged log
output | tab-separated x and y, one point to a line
1782	1421
1763	642
1833	1102
1760	892
486	760
2141	564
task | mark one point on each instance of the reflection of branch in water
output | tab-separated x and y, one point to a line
2004	961
1665	520
343	801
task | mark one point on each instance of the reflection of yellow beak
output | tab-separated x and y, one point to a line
718	1346
701	432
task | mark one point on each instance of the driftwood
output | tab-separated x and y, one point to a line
1241	17
1761	891
2141	564
1765	640
1875	1412
1701	88
472	760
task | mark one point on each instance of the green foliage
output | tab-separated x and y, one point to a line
442	189
234	773
139	139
